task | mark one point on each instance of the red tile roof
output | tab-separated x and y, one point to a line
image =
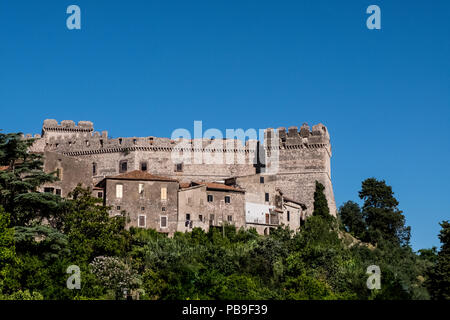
4	168
220	186
184	185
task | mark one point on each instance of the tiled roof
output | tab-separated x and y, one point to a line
220	186
184	185
141	176
210	185
4	168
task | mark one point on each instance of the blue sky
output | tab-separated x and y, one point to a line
140	68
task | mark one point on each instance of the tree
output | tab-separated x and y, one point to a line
384	220
115	275
320	202
90	229
7	247
352	219
20	181
439	277
304	287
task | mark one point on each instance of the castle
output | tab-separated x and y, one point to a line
248	178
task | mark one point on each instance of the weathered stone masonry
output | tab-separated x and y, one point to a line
87	156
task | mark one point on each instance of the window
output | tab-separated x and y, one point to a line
261	179
288	216
141	221
143	166
99	194
163	222
267	197
227	199
200	217
210	198
230	218
141	189
142	208
211	218
59	173
58	192
163	209
94	169
118	207
119	191
123	166
49	190
188	216
164	193
179	167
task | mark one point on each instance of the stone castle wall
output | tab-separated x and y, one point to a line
295	157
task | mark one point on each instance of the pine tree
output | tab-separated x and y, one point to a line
384	220
21	176
439	277
352	219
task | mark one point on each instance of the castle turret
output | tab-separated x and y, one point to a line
303	158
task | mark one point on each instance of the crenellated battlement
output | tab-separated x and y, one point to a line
100	143
81	139
66	126
293	138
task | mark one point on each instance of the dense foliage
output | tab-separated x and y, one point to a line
41	235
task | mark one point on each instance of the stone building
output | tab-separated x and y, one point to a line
210	204
150	201
263	201
294	214
296	158
286	165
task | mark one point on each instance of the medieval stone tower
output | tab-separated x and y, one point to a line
290	159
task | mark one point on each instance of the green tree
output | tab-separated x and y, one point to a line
7	248
438	282
384	220
320	202
352	219
20	181
91	231
304	287
22	295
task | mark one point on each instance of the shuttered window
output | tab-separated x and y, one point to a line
141	222
119	191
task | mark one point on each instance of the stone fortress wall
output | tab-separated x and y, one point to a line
296	157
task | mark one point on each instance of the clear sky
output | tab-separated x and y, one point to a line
140	68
